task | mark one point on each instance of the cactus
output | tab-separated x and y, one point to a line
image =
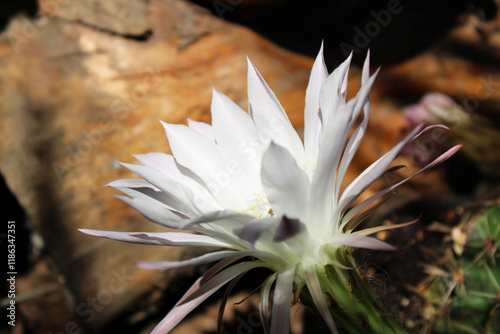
463	289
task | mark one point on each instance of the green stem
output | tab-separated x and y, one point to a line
353	304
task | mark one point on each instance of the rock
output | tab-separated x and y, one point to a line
77	97
127	18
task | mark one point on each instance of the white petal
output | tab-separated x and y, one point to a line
234	128
269	116
349	225
206	258
282	302
373	172
286	185
359	241
199	292
236	133
166	164
161	238
155	212
179	312
220	225
186	304
150	195
225	218
176	194
264	310
324	177
254	229
361	206
312	117
350	151
362	97
366	68
357	136
376	229
202	128
220	172
223	277
182	178
132	183
331	97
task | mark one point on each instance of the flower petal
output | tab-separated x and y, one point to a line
361	206
253	230
286	185
223	302
220	172
179	312
182	177
288	228
357	136
322	203
131	183
206	258
159	238
198	293
202	128
235	131
376	229
166	164
359	241
331	97
264	309
269	116
347	226
222	278
282	301
155	212
227	219
175	194
374	171
312	117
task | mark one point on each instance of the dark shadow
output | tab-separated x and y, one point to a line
393	30
9	9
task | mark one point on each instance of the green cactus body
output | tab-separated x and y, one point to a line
466	291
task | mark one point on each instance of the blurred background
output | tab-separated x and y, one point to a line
84	83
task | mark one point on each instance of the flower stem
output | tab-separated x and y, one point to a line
353	304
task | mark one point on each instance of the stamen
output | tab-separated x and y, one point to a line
258	206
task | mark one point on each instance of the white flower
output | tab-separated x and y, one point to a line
248	184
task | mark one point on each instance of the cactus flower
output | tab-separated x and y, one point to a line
249	187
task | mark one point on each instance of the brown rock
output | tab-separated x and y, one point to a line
129	18
76	100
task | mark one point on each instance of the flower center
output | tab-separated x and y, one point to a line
309	168
258	206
